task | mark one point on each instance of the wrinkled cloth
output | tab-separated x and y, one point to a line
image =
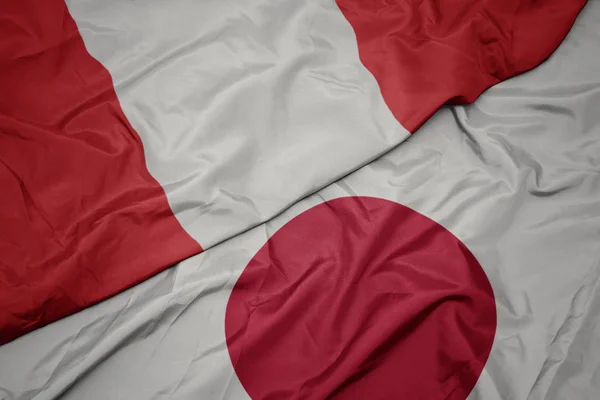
136	134
514	176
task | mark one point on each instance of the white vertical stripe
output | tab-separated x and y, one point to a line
243	106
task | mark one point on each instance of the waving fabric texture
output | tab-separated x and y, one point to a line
135	134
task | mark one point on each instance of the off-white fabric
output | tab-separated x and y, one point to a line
243	107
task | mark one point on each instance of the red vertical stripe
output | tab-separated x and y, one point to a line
429	52
81	218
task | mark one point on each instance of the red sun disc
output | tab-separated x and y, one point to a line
361	298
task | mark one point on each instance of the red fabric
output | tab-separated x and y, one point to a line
425	53
81	218
361	298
